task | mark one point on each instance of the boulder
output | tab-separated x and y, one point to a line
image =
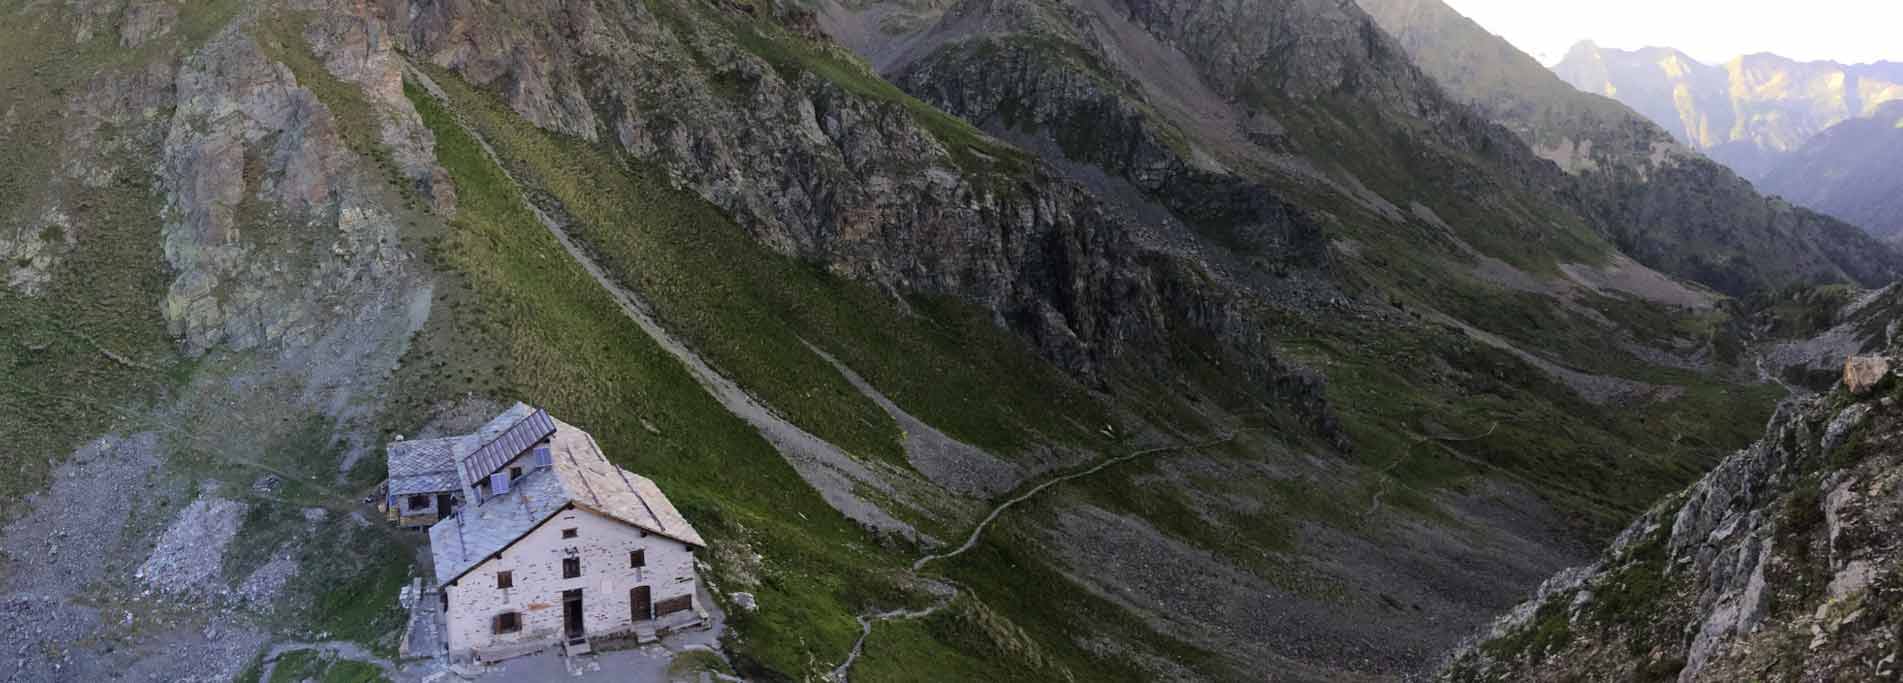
1862	373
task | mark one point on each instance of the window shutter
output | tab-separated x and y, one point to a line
542	457
499	482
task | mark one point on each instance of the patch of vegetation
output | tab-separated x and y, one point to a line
1634	596
60	382
957	643
297	665
792	55
355	575
689	665
311	665
1550	631
281	35
1801	311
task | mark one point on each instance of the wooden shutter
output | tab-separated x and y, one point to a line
672	605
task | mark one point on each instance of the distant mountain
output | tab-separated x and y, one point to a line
1850	171
1662	203
1744	113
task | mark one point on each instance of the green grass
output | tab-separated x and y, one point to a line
58	386
792	55
1550	631
362	606
747	309
1599	464
312	665
567	347
688	665
297	665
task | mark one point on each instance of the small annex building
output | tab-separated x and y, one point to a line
544	541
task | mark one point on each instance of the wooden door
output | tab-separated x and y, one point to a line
641	603
571	613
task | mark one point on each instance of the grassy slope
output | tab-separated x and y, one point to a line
569	349
58	385
713	465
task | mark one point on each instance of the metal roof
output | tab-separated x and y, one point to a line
512	442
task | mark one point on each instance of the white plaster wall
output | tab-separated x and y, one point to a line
602	544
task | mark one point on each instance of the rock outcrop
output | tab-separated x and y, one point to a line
1863	373
257	175
1781	564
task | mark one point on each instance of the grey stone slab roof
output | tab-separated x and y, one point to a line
424	465
578	474
476	532
595	483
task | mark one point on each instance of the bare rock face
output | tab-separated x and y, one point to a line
1780	564
269	222
832	175
1862	373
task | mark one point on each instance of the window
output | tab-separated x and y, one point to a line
419	502
638	558
672	605
508	622
515	473
505	579
571	567
568	533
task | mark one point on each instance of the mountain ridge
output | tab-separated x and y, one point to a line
1746	112
1047	238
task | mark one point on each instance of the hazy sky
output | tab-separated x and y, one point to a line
1709	30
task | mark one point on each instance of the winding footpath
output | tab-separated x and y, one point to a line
1388	482
830	471
947	591
835	474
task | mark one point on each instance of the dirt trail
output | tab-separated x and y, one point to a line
947	590
830	471
1388	483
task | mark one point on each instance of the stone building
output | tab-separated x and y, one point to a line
549	543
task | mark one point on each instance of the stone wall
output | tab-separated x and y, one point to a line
602	544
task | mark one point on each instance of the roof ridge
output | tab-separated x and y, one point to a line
623	474
583	476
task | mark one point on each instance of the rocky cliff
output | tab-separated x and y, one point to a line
1323	356
1779	564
